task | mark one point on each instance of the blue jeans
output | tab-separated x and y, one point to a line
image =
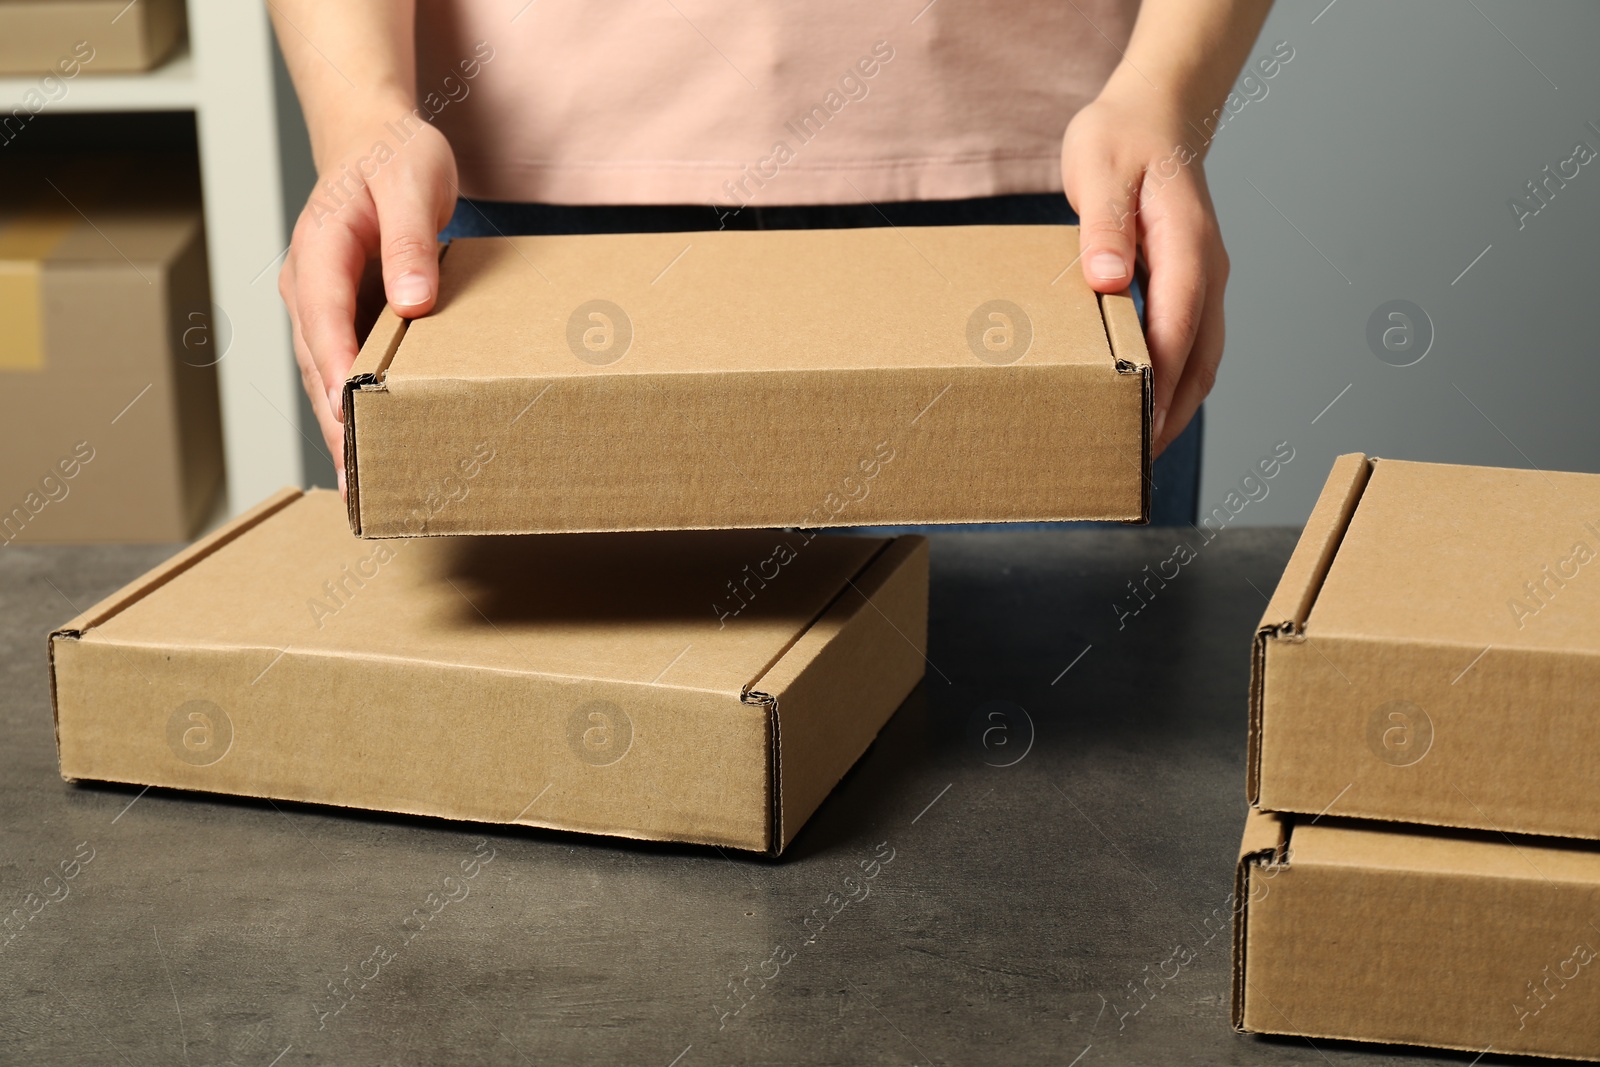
1175	475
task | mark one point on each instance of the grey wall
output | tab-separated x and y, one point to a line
1390	144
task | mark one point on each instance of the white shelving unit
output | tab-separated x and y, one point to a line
225	76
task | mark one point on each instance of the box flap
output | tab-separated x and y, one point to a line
1308	566
865	651
147	583
1297	589
1470	556
367	373
1126	336
781	300
685	610
378	350
1266	842
1124	333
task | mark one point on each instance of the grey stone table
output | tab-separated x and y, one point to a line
1049	817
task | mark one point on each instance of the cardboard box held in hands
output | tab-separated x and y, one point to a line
770	379
1432	653
705	687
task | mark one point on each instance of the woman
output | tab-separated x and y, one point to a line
700	114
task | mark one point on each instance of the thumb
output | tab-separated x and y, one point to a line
1108	205
408	245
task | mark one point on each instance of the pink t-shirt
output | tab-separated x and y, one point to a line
764	102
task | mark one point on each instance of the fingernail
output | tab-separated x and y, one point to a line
1155	429
336	404
409	290
1108	265
341	483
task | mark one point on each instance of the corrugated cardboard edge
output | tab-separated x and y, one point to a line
853	598
1267	846
1266	842
367	373
1130	356
1297	590
769	703
155	579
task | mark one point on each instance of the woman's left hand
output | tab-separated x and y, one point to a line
1130	171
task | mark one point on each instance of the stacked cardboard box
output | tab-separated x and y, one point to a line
536	664
57	39
1421	864
580	683
110	427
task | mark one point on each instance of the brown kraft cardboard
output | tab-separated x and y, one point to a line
110	426
734	380
52	38
707	687
1432	653
1422	936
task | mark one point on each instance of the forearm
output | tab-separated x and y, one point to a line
1185	54
349	60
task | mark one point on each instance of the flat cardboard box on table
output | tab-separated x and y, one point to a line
704	687
1432	653
110	426
1422	936
753	379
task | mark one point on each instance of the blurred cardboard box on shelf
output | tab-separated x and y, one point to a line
109	420
733	380
1432	653
1381	932
62	38
708	687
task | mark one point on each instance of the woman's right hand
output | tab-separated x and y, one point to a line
384	191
